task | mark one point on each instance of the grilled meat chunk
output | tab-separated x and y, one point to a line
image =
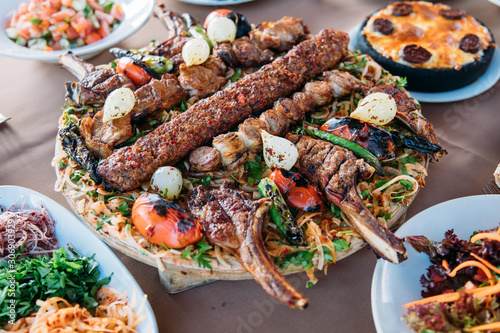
199	81
101	138
321	91
249	131
233	221
126	168
335	171
342	83
158	95
243	52
280	35
205	159
231	148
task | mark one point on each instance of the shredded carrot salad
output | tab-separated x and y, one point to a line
62	24
474	306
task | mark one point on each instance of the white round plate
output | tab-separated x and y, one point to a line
485	82
70	230
215	2
395	285
136	14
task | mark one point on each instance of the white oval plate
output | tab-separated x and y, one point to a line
69	230
136	14
395	285
485	82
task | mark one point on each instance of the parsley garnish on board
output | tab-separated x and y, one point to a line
255	169
65	274
200	255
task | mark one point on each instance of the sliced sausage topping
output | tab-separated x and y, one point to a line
416	54
383	26
452	14
470	43
402	9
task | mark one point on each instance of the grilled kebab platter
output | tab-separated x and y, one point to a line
233	150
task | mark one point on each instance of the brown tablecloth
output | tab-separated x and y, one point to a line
32	93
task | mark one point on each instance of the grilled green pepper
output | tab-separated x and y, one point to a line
280	213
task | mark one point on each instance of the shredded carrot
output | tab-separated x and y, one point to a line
485	291
483	235
443	298
62	27
469	263
444	263
486	263
492	327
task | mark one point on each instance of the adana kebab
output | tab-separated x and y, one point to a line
128	167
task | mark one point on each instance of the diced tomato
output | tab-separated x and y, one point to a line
102	16
117	12
136	74
23	8
62	15
61	26
103	29
92	38
71	33
48	48
56	46
57	35
95	5
66	3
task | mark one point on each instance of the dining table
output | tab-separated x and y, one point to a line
33	93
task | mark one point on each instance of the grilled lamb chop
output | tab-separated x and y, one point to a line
95	86
233	221
335	171
126	168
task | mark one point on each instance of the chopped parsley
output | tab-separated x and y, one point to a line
236	76
199	255
66	274
124	209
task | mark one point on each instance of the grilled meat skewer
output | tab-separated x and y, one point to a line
335	171
232	220
276	121
127	167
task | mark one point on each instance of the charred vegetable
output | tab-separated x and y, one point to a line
371	137
164	223
74	145
154	65
359	151
280	213
404	138
243	27
297	191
